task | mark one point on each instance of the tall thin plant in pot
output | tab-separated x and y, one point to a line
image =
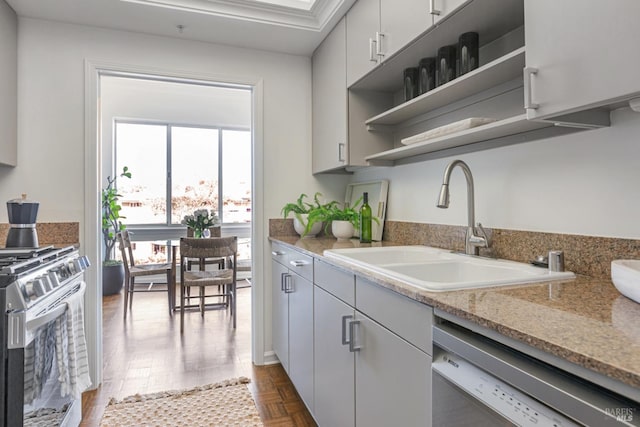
112	269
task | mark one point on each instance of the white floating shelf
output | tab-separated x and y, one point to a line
505	68
499	129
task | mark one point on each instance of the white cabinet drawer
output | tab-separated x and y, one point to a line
335	281
300	264
409	319
279	253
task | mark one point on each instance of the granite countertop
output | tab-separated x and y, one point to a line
584	320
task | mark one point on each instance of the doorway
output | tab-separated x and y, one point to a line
99	158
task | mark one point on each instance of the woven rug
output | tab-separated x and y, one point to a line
228	403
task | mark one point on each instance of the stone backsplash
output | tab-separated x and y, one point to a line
587	255
58	234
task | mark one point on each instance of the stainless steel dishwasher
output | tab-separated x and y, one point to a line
481	383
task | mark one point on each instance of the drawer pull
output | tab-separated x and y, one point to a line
298	263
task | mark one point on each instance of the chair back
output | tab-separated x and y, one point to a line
124	243
213	247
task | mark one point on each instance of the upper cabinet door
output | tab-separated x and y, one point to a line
8	85
329	98
439	9
580	54
401	21
363	37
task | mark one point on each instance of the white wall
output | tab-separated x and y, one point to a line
51	122
585	183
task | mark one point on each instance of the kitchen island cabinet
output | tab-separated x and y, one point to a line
8	85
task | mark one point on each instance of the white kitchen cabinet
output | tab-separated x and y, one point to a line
377	29
292	317
440	9
390	370
329	98
280	314
8	85
335	144
363	31
581	54
334	366
301	337
385	348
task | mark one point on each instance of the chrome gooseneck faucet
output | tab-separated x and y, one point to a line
475	237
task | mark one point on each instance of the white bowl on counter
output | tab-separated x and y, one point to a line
625	274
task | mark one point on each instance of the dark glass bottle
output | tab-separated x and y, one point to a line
365	219
468	48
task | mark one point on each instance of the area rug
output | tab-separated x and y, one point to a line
228	403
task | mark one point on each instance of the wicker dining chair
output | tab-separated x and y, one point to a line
224	280
133	270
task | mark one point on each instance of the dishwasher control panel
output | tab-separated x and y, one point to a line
503	399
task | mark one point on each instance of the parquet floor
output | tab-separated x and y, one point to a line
146	353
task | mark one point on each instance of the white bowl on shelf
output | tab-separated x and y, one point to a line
625	274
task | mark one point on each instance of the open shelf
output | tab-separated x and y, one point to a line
503	69
501	128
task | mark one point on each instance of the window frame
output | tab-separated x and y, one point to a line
169	230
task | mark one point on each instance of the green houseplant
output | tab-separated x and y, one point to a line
301	211
343	220
112	269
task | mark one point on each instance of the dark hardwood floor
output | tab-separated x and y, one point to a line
146	353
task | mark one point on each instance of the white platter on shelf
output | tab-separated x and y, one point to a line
494	130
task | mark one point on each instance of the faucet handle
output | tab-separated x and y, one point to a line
483	238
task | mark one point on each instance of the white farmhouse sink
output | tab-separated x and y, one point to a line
436	269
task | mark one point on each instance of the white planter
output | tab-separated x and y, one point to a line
300	226
342	230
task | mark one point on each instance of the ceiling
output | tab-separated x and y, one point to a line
289	26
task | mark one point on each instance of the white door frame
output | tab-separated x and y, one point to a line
92	238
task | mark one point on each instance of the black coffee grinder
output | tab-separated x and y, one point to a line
22	219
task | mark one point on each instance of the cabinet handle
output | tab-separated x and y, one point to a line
288	284
345	341
298	263
372	50
341	146
432	8
379	37
352	333
528	72
282	280
277	253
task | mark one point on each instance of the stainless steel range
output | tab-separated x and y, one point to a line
42	341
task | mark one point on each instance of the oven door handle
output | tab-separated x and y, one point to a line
21	331
34	324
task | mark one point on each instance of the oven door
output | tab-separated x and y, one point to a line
34	393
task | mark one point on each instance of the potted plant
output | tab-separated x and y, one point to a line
112	269
301	211
344	220
200	222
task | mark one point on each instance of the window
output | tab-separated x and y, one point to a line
177	169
